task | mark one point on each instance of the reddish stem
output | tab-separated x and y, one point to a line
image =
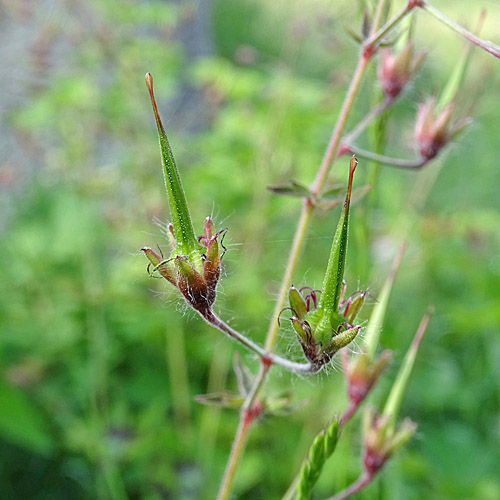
351	409
361	483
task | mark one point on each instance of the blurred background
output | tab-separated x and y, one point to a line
99	364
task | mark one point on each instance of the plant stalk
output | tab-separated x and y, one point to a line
298	241
212	319
362	482
236	451
387	160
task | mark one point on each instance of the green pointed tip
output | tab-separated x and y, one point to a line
402	435
332	283
186	241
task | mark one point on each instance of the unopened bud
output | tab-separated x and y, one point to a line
433	132
362	373
394	71
381	439
211	266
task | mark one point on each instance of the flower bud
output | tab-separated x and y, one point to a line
394	71
381	439
382	436
362	373
211	266
433	132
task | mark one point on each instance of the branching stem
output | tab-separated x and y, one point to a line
376	37
211	318
368	50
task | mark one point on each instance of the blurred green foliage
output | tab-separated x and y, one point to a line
99	363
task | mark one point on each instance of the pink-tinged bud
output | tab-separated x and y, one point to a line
381	439
351	307
208	232
394	71
362	373
211	266
433	132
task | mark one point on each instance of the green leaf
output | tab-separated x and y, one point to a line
224	399
243	375
294	188
332	192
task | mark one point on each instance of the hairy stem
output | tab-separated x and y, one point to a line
351	409
211	318
297	244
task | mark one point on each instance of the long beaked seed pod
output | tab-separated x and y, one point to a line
194	265
325	326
